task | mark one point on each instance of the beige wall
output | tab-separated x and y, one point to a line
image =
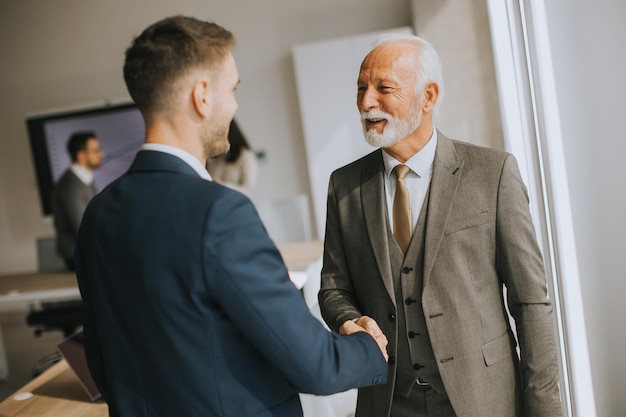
68	53
459	30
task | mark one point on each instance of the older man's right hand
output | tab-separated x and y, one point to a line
368	325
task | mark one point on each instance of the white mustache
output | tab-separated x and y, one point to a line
375	114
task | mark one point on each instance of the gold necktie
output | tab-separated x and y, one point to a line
402	209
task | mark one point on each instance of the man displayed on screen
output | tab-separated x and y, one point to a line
73	191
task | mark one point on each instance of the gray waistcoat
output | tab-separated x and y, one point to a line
415	354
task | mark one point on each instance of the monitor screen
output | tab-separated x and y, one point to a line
119	129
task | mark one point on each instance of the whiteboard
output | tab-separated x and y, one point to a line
326	78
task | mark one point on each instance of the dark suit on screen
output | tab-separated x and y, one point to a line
189	310
70	197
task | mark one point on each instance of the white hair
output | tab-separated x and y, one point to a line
429	63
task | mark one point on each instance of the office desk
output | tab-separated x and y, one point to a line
22	290
19	291
41	286
38	287
59	286
57	392
298	256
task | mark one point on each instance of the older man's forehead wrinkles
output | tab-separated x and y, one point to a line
376	79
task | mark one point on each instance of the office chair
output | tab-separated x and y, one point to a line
64	316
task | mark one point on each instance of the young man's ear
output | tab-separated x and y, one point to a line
201	97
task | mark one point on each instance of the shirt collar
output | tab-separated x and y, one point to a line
83	174
188	158
419	163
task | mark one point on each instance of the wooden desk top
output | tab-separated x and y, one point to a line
299	255
36	281
41	286
56	392
38	287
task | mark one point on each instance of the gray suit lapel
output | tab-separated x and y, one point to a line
447	171
374	211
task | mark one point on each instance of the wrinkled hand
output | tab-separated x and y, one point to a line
369	325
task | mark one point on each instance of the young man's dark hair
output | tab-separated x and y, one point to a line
78	142
177	44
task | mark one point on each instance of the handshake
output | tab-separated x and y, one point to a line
369	325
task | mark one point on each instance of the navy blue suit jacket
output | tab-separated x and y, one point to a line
189	310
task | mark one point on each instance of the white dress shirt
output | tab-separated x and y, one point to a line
188	158
83	174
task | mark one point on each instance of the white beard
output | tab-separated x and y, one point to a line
395	129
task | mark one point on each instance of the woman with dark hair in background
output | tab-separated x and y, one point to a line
238	167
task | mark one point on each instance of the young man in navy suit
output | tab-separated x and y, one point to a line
189	310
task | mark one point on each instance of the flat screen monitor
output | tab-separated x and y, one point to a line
119	128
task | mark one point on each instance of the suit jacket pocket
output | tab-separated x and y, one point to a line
497	349
467	221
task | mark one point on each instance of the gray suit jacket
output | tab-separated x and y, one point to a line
479	238
70	197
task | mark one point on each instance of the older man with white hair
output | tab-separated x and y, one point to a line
423	235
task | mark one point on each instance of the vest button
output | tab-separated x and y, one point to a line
406	270
392	317
417	366
392	360
409	301
412	334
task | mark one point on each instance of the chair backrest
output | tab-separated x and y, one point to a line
286	220
48	259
